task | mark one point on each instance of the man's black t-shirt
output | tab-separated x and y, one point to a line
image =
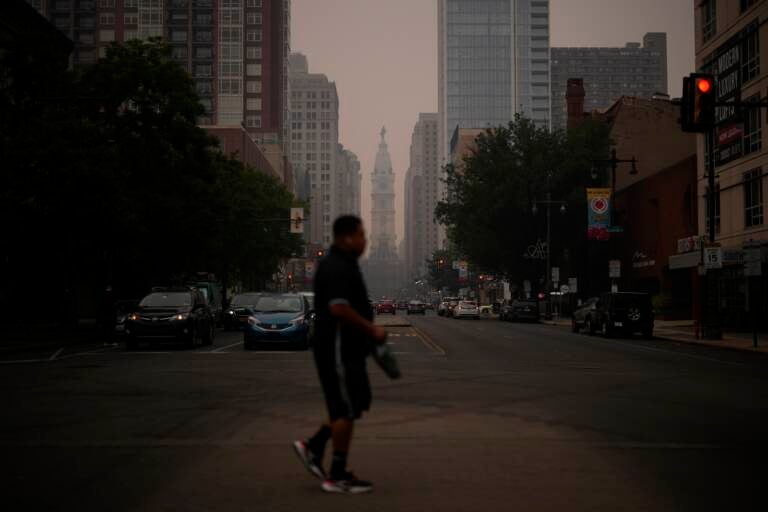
338	280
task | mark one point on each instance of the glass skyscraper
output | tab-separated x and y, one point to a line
493	63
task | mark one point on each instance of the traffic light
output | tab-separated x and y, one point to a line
697	108
320	253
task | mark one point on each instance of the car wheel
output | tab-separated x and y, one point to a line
588	326
606	329
574	325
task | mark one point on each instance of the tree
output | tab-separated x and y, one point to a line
440	271
488	211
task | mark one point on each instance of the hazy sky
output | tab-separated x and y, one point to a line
382	54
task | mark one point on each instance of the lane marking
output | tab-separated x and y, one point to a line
19	361
56	354
221	349
428	341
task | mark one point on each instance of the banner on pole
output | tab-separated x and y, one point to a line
598	213
463	271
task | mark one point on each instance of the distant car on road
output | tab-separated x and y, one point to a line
451	306
585	316
279	319
385	306
620	313
442	308
123	308
466	309
236	315
180	314
416	307
520	310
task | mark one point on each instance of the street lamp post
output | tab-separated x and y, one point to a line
614	162
548	202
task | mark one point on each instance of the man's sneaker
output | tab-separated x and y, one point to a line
347	484
312	462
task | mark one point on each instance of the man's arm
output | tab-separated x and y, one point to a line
346	315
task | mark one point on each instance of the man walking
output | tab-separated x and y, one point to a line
343	330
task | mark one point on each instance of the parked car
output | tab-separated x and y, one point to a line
279	318
123	308
442	308
466	309
622	313
213	295
416	307
584	316
452	303
236	315
402	305
385	306
180	314
521	310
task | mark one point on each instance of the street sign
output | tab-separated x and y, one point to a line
555	274
713	258
297	220
573	284
614	269
565	289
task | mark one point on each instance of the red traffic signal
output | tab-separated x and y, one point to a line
704	85
697	107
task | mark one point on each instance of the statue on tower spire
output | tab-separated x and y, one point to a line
383	132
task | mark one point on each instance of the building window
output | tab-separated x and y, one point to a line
130	35
253	52
253	121
717	210
106	18
253	69
106	36
230	86
130	4
708	19
204	87
750	57
253	36
179	36
253	18
204	52
203	70
107	4
753	134
253	104
179	52
131	19
203	36
231	35
253	86
753	198
252	4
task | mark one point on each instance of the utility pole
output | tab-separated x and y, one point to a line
549	202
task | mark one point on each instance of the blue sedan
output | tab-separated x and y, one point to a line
278	319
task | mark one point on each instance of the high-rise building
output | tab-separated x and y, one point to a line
314	143
493	63
348	182
609	73
235	50
383	264
421	196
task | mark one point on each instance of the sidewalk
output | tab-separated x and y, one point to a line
684	331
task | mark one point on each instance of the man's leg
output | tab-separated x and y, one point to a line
343	429
312	450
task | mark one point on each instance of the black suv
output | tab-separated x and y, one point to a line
176	314
623	313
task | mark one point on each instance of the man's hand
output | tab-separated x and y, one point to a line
379	334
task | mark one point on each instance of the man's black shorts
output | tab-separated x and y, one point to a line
345	384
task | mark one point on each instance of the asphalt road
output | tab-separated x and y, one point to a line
489	416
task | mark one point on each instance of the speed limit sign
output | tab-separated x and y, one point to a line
713	257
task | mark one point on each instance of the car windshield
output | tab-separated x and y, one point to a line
245	299
468	304
278	304
166	300
311	299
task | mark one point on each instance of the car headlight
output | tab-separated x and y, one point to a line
252	320
180	317
299	320
133	317
230	312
